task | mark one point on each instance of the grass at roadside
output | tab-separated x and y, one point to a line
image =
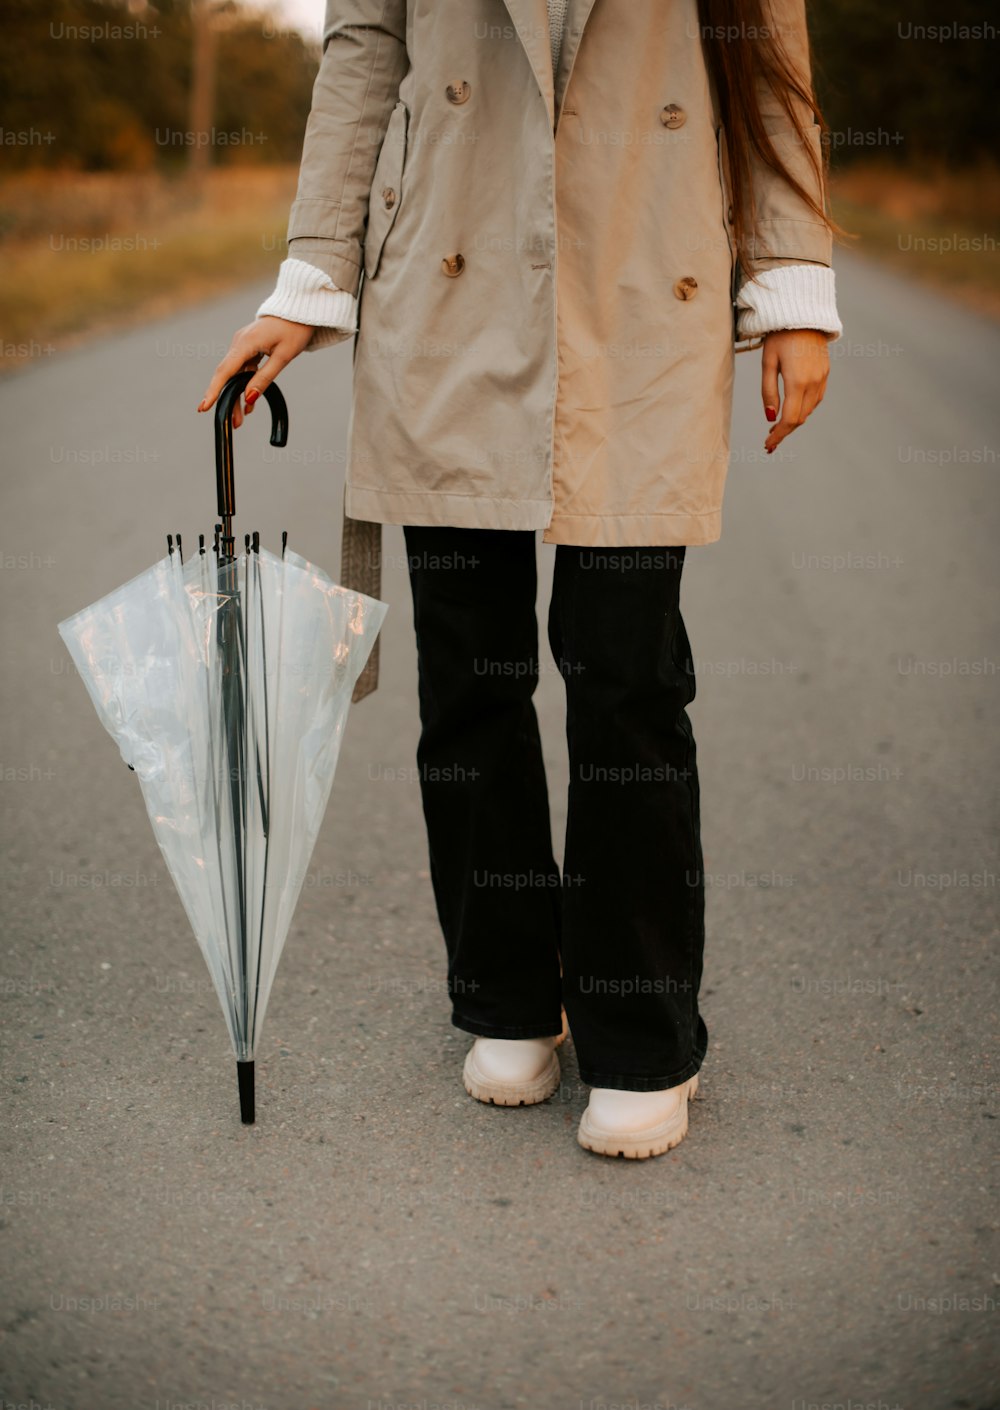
940	228
86	253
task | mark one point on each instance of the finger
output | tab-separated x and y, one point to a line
278	358
811	398
813	390
769	385
236	359
250	365
791	416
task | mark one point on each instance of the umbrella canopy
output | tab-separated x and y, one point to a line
226	682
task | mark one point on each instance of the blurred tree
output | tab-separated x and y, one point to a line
202	109
277	67
912	83
107	85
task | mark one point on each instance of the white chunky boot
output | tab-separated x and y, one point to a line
513	1071
636	1124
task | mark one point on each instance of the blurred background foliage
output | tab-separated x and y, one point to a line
122	101
874	72
109	101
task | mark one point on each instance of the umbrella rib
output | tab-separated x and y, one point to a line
241	745
230	630
217	970
264	802
218	786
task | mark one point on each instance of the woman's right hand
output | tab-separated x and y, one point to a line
277	339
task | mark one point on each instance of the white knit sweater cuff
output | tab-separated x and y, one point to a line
307	294
790	296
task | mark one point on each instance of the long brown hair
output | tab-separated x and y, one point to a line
743	49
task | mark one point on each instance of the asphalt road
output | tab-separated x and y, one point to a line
824	1235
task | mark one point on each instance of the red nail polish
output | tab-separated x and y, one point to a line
770	413
251	397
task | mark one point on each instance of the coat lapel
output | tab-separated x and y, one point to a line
531	21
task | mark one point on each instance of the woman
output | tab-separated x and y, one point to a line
567	214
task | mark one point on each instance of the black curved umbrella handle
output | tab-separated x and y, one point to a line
224	472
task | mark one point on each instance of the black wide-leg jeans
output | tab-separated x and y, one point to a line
618	936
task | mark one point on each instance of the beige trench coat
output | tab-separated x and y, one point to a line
546	318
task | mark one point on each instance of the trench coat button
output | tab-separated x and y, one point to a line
673	116
389	197
452	265
458	92
686	288
729	215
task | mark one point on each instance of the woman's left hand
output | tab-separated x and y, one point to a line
802	357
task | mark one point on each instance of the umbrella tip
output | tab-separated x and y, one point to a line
201	543
284	541
170	543
244	1075
256	541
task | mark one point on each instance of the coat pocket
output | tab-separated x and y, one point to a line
387	187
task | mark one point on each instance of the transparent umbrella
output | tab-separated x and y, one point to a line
226	682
